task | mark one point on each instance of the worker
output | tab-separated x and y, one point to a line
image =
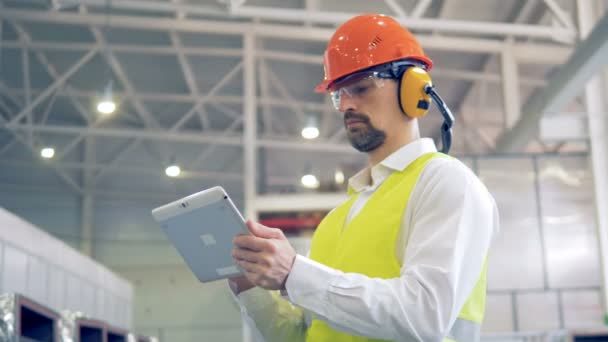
404	257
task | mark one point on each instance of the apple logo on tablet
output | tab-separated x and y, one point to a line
208	239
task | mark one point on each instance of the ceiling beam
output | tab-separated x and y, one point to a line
537	53
202	100
284	31
470	27
420	8
395	7
67	179
250	128
120	72
127	133
155	7
187	98
126	48
562	16
26	39
188	74
56	84
519	13
264	87
114	194
125	169
280	87
563	86
194	137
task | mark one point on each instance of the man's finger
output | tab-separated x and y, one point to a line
262	231
250	267
244	254
251	242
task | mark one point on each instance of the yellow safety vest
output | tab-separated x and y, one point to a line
366	245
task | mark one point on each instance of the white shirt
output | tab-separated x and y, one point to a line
450	219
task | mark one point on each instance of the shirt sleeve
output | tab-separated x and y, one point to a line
270	316
453	218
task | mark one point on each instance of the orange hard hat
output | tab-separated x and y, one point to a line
365	41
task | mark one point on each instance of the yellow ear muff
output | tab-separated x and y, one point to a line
414	101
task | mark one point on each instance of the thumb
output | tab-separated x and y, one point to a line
262	231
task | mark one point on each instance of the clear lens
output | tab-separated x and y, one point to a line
356	88
335	99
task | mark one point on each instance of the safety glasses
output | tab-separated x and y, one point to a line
356	87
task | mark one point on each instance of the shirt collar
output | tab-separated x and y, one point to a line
397	161
403	157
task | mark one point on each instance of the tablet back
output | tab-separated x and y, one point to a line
203	237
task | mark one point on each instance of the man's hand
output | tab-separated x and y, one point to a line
266	257
242	284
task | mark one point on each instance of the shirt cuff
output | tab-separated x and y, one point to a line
308	283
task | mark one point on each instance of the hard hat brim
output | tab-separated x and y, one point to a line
323	87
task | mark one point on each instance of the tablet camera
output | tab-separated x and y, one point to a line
184	204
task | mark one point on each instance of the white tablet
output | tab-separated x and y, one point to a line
201	226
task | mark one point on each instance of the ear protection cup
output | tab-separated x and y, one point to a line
413	100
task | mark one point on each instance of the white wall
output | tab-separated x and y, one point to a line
54	274
543	270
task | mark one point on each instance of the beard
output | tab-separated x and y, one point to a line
364	137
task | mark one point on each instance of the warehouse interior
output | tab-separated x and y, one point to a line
220	92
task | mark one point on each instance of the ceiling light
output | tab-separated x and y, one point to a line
107	105
339	177
173	171
47	152
310	131
310	181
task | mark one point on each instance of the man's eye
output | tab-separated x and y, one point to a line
359	90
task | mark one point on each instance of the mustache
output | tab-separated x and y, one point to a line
356	116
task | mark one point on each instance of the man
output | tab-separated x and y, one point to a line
404	258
